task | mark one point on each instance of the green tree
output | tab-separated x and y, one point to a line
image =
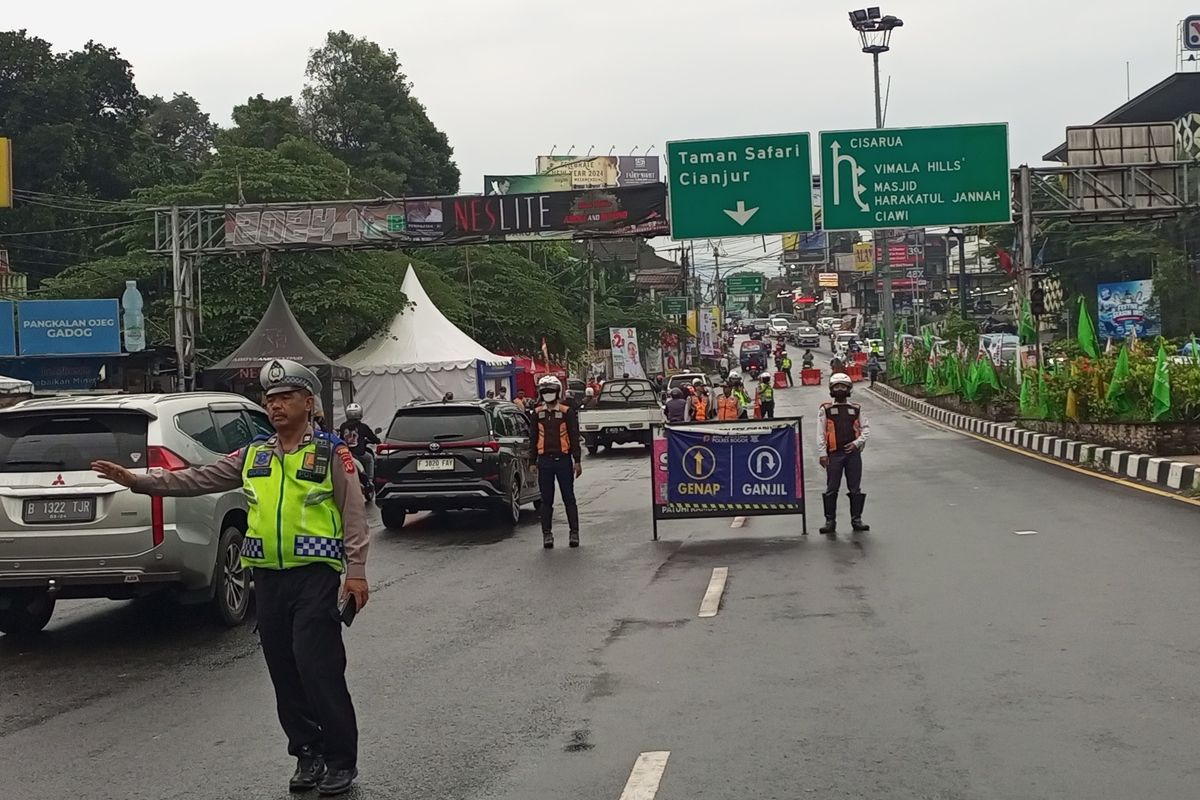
359	104
263	123
182	128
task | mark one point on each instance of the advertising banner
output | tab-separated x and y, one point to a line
654	360
864	257
8	336
526	184
626	358
69	327
597	172
1126	308
827	280
467	219
707	333
804	248
752	468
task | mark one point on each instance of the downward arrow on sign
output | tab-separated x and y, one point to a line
743	214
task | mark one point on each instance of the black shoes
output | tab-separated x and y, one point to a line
337	781
857	501
310	769
548	540
574	541
830	501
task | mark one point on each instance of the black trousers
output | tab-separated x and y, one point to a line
768	409
561	469
788	372
848	463
301	635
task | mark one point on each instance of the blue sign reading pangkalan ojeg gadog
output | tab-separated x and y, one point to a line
69	327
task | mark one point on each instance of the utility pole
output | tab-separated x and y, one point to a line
718	288
1026	276
591	327
181	354
885	299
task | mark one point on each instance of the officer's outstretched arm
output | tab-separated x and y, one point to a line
222	476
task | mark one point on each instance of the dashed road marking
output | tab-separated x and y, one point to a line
737	522
645	776
1025	533
712	596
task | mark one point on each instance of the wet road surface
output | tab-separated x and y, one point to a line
939	656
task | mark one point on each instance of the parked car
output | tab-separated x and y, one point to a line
684	379
623	414
471	454
67	533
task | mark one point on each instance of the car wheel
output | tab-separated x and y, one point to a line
231	592
28	612
510	512
393	517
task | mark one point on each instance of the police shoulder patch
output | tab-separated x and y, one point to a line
343	453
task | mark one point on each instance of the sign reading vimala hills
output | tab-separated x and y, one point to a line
915	177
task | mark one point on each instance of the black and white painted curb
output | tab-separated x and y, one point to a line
1163	472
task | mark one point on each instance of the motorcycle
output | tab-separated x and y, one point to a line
366	485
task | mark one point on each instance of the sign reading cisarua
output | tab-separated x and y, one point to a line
69	327
915	177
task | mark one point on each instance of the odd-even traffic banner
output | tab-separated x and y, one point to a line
727	469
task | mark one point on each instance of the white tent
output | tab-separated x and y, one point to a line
15	386
421	355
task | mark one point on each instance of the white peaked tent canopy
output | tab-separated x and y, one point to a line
421	355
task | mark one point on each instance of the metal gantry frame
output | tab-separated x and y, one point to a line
1088	194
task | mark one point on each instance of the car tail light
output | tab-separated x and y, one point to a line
384	449
491	445
162	458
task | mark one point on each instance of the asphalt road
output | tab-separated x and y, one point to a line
939	656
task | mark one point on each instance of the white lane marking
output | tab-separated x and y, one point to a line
645	776
712	596
1025	533
737	522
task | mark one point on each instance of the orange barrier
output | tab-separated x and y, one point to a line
860	358
781	381
810	377
855	372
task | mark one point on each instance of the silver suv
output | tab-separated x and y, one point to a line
67	533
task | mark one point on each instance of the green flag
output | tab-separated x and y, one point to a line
928	340
971	381
1161	392
987	373
1026	395
1195	351
1085	333
1043	403
1117	396
1026	331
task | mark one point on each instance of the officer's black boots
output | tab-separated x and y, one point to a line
573	523
830	526
857	501
547	522
547	540
337	781
310	768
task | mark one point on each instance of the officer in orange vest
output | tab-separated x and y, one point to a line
699	401
728	406
554	448
842	435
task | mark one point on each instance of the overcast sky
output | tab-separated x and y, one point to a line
507	79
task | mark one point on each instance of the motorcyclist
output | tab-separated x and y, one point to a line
358	436
807	361
842	433
554	449
676	408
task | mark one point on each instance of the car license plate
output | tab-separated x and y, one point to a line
434	464
59	509
615	429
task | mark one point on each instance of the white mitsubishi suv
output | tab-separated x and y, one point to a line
65	532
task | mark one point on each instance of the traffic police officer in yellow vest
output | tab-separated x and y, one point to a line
306	526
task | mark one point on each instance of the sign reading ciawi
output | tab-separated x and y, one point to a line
68	327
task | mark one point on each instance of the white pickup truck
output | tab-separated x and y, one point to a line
622	414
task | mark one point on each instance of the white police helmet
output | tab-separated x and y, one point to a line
840	379
284	375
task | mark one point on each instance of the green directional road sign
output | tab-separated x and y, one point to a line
915	177
745	186
674	305
745	283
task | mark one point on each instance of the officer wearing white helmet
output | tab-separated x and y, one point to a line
842	434
554	448
306	527
358	436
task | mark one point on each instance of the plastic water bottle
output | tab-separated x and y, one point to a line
133	321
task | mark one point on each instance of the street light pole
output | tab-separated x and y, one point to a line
875	30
